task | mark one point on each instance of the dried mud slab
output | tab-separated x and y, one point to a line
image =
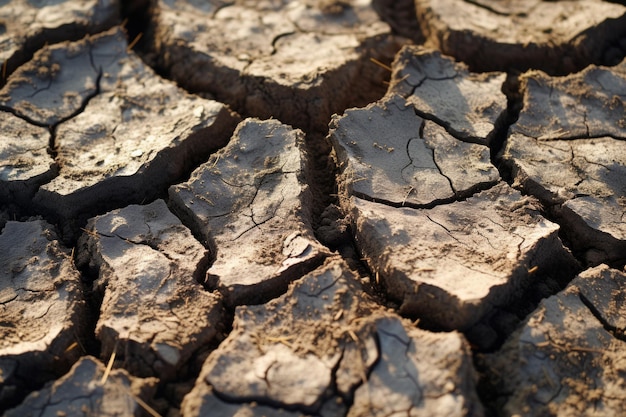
567	149
450	265
26	26
56	84
388	154
154	313
41	309
557	37
101	102
296	61
468	105
444	237
24	160
569	357
82	392
325	348
251	204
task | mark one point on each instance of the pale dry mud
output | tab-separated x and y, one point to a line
467	104
326	348
569	357
97	100
89	389
440	232
154	314
465	202
26	26
41	309
567	148
297	61
558	37
25	163
251	204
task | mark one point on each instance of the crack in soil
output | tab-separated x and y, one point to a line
326	184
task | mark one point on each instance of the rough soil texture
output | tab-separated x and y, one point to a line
26	26
559	37
89	389
298	61
569	355
467	104
451	264
154	312
25	163
567	149
111	144
41	308
251	204
312	208
325	348
387	153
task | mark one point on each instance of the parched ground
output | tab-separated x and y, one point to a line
312	208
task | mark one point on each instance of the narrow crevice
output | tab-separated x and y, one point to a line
320	173
349	398
332	393
53	146
570	137
490	333
369	278
52	128
432	151
590	246
459	196
222	5
307	104
268	402
46	37
502	321
170	394
331	224
93	304
576	236
614	331
401	17
497	140
488	8
278	38
26	208
204	238
136	17
466	138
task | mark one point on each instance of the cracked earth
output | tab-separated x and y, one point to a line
312	208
